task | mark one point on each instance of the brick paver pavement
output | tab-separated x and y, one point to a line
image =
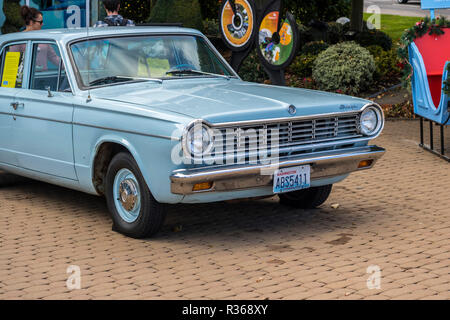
396	216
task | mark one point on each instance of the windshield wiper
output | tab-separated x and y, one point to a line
191	71
115	79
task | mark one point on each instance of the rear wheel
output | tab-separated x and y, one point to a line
134	211
307	198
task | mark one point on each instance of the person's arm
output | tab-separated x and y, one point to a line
52	56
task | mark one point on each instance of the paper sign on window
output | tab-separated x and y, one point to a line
11	70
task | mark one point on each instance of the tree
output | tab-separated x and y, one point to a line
13	21
188	12
357	15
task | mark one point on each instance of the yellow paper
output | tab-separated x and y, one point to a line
142	68
11	69
158	67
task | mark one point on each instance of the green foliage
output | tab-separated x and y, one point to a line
387	63
302	66
374	37
14	21
335	33
252	69
136	10
211	28
187	12
394	25
322	10
345	67
304	34
210	9
314	48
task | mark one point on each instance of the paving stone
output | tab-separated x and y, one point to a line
394	216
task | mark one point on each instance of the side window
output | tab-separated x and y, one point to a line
13	58
47	69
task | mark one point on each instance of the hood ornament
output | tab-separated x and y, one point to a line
292	109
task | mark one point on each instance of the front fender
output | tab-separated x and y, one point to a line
152	154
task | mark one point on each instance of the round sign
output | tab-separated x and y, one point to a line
277	48
237	26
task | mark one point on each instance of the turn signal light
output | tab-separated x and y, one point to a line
202	186
365	164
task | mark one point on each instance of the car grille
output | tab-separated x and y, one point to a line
284	135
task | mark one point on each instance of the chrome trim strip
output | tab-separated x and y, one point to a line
235	177
39	118
127	131
289	119
277	120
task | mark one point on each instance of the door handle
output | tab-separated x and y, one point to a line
16	105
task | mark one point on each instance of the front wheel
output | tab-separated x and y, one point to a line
134	211
307	198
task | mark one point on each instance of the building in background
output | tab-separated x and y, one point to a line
56	13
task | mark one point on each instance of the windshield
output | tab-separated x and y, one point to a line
139	58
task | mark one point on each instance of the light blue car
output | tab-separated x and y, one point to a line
149	116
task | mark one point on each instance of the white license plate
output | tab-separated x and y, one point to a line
291	179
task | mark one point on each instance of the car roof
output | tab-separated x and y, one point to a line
67	35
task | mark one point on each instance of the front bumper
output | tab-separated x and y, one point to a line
246	176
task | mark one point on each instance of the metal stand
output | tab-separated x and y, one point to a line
431	147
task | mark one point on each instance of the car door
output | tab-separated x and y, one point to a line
42	129
12	72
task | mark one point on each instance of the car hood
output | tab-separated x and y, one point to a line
221	100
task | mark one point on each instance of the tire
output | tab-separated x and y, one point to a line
135	213
306	199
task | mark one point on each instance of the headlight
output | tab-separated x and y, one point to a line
371	120
198	140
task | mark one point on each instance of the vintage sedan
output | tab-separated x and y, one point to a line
150	116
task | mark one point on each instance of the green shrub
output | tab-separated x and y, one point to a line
302	66
345	67
13	21
335	33
374	37
211	28
252	69
314	48
304	34
323	10
387	63
187	12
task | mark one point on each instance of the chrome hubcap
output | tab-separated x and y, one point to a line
127	195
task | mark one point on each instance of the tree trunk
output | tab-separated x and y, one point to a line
357	15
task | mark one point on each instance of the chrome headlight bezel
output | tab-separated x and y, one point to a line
192	134
379	118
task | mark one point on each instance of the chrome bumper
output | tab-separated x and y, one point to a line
246	176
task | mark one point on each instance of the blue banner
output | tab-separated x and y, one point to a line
435	4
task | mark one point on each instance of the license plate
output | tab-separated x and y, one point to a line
291	179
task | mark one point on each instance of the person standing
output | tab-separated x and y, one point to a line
45	53
113	17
